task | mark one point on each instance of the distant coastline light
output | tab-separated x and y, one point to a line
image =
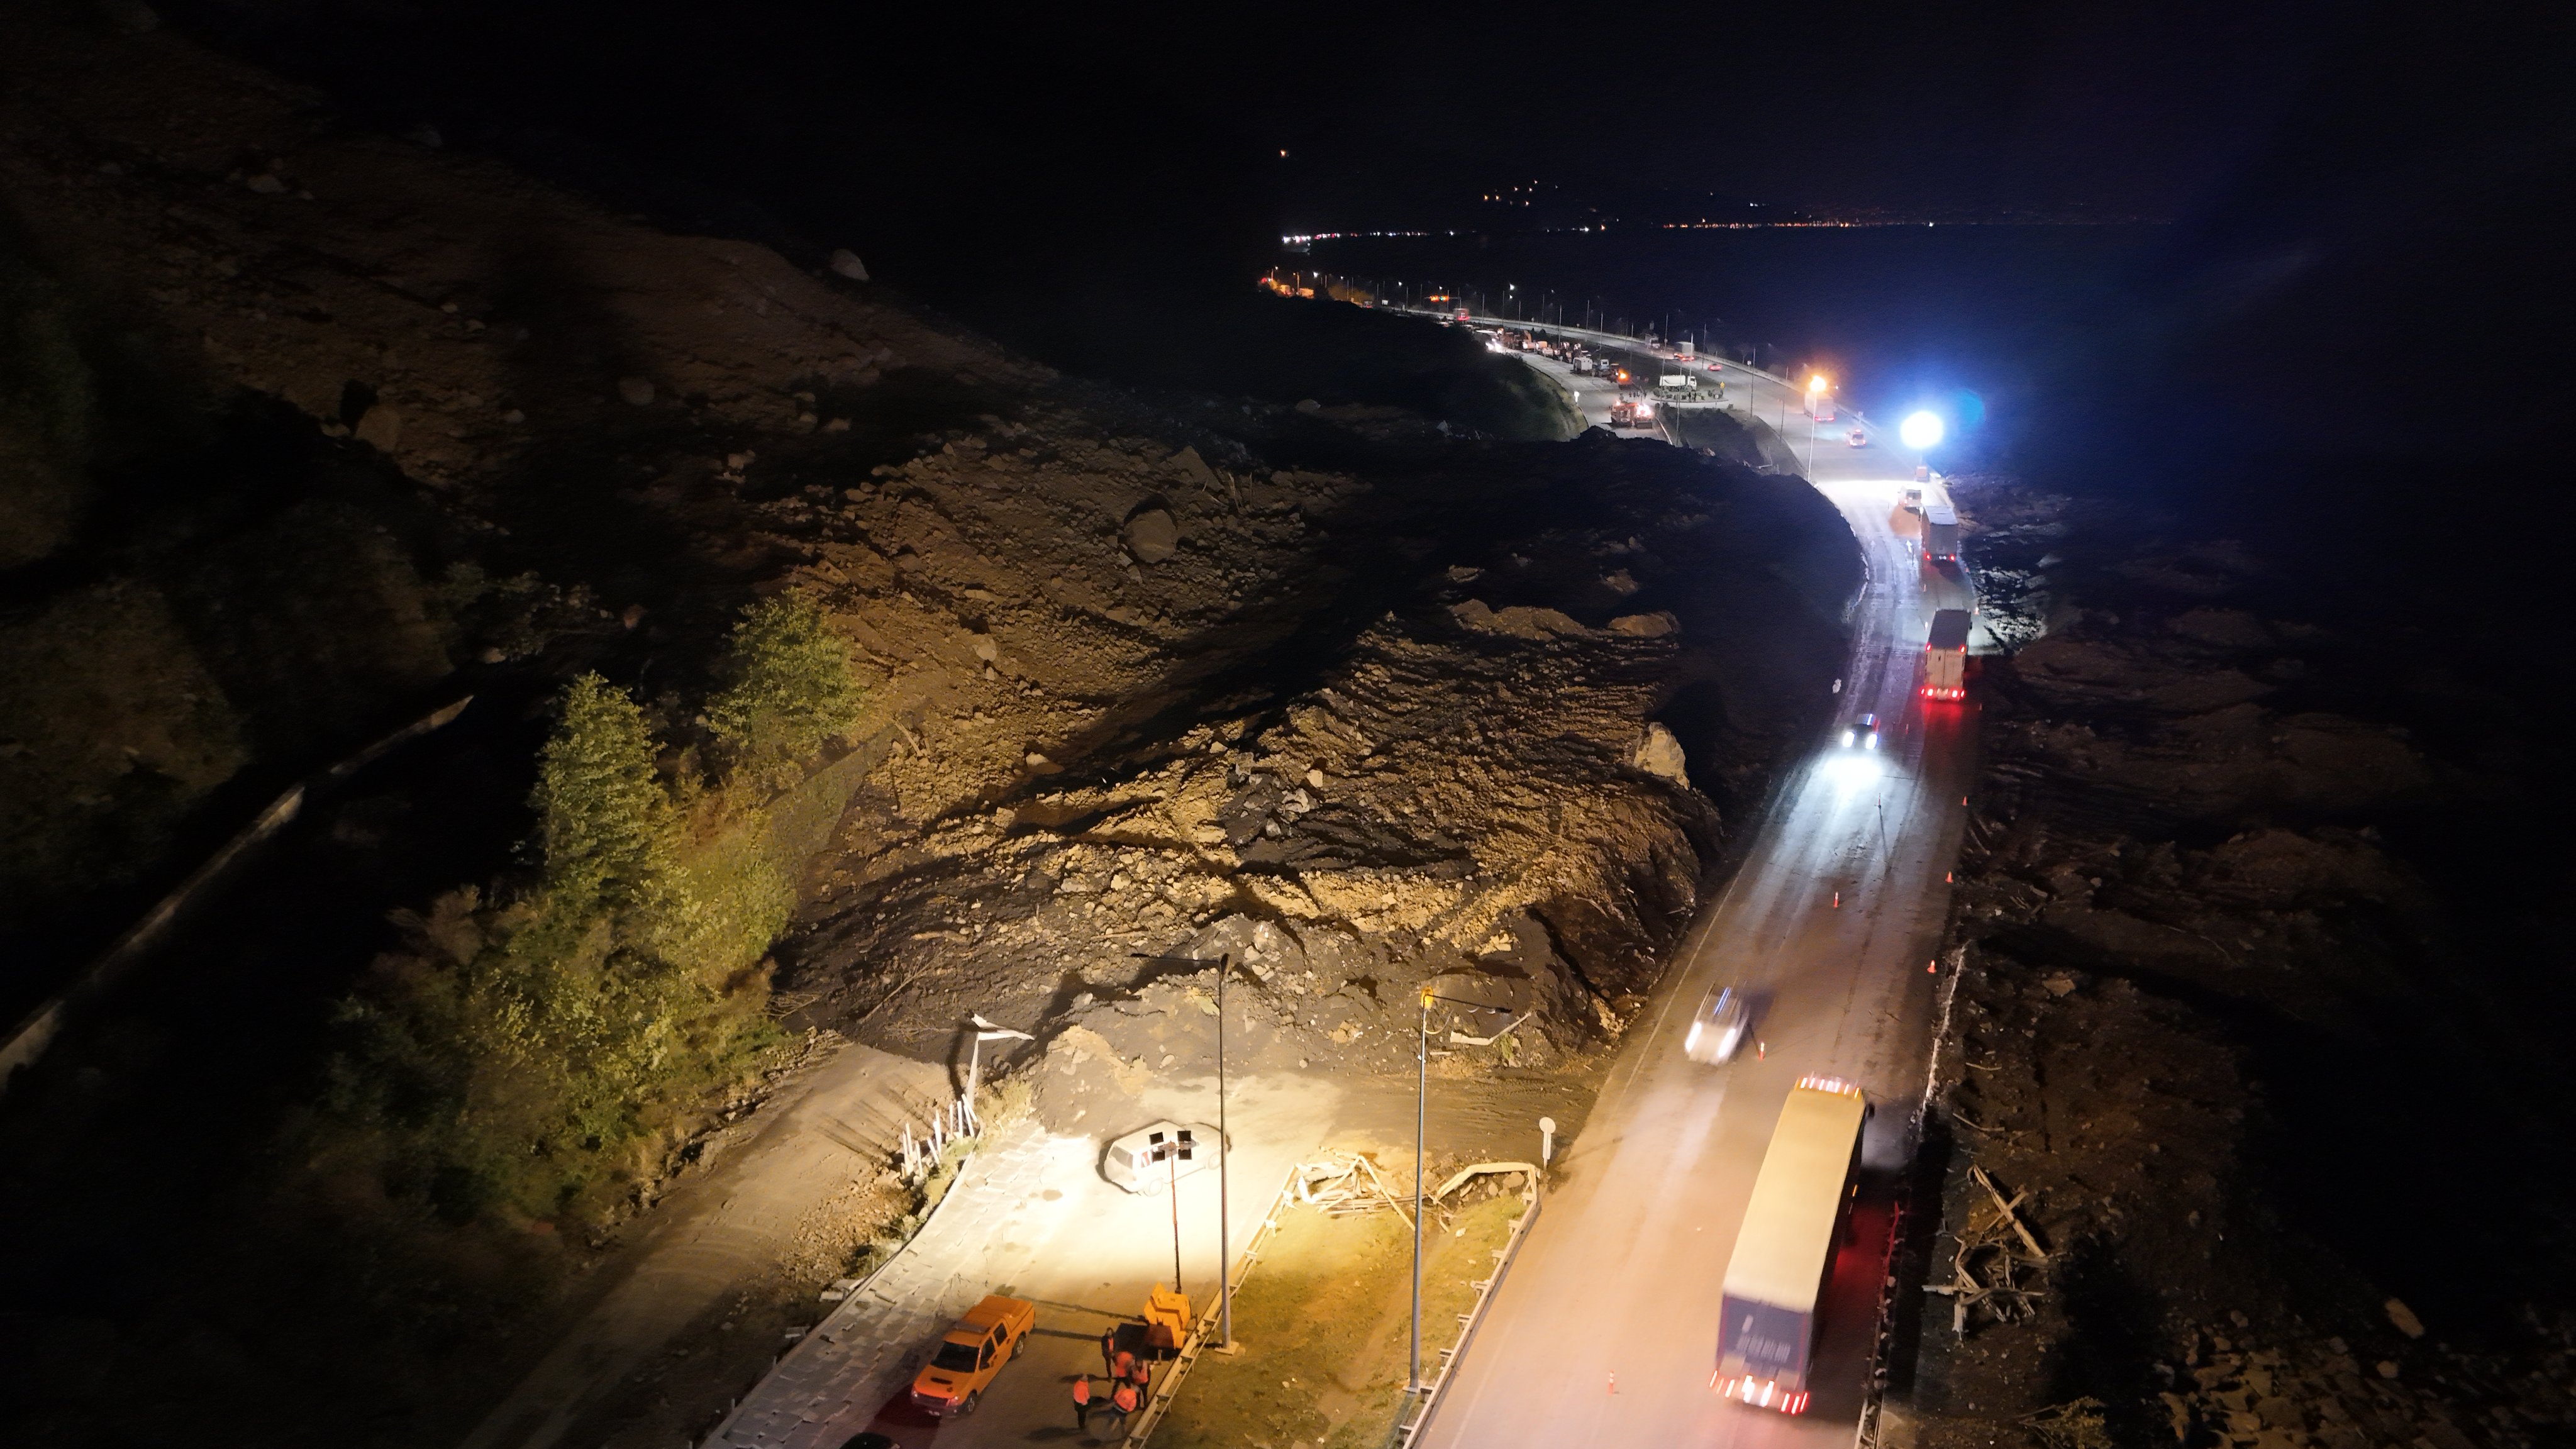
1920	430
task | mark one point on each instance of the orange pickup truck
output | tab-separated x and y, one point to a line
954	1380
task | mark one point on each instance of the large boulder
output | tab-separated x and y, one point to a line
1658	753
1152	536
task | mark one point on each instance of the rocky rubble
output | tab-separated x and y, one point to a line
2189	957
1434	790
1363	702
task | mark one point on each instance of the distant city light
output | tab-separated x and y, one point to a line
1920	430
1300	240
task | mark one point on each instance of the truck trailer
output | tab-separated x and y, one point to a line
1940	534
1775	1283
1945	656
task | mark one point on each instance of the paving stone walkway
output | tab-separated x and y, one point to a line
1032	1217
718	1233
833	1381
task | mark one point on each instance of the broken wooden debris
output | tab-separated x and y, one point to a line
1986	1266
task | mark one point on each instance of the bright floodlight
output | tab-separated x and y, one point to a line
1816	383
1920	430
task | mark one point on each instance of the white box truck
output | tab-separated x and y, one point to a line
1940	533
1775	1283
1945	656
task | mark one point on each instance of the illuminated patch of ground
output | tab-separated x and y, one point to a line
1323	1326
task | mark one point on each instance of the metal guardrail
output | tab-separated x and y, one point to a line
1559	329
1424	1403
853	1303
1427	1401
1197	1342
1874	1388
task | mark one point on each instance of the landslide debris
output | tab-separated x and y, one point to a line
2211	1019
1365	702
1362	775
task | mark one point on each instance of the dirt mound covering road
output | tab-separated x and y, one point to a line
2215	1023
1312	718
1368	703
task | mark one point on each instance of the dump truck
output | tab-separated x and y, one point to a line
1940	534
1945	656
1775	1282
954	1380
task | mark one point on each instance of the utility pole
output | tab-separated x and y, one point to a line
1224	1243
1421	1150
1172	1170
1421	1096
1224	1143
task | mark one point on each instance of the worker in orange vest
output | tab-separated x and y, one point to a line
1082	1402
1125	1401
1123	1367
1141	1374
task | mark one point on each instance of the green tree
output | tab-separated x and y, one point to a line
538	1054
604	822
792	688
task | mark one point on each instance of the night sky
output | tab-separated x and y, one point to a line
1395	119
2340	177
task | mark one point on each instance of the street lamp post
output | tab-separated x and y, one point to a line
1421	1150
1421	1100
985	1031
1171	1153
1819	387
1224	1243
1224	1145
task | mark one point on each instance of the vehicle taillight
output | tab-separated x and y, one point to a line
1761	1394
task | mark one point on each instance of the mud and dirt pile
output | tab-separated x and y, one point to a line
1304	734
2212	1037
1328	688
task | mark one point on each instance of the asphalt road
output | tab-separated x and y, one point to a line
1605	1331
